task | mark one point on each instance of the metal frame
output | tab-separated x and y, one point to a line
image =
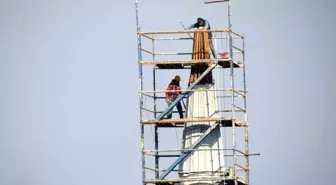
157	122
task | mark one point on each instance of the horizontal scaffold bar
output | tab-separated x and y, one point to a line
216	111
215	1
145	34
193	90
179	171
193	180
157	170
184	61
182	31
167	156
200	149
225	155
189	38
191	120
185	53
189	62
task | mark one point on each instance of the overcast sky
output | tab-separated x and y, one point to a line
69	104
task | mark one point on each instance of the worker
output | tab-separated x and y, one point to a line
173	94
205	24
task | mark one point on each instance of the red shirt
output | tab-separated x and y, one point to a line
173	86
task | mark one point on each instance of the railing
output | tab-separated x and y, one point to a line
154	37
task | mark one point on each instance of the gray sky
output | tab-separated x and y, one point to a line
69	103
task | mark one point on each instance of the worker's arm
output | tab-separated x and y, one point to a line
192	26
168	94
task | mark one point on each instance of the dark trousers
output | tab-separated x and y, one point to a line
179	108
212	48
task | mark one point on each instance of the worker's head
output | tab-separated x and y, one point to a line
200	21
177	78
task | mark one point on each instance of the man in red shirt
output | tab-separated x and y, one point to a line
173	94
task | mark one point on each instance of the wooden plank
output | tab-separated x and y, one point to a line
193	180
224	63
173	120
194	61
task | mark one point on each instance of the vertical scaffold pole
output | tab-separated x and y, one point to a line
246	118
142	138
232	95
156	132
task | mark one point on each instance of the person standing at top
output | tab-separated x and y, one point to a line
173	94
205	24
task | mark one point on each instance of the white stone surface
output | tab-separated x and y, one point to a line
201	164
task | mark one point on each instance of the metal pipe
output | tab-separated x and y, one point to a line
176	53
195	179
174	38
241	109
232	93
163	97
241	36
147	95
226	96
182	31
225	155
152	53
185	150
156	133
206	119
173	53
186	29
229	110
245	169
246	117
243	95
215	1
142	138
158	170
147	37
191	90
186	61
239	155
159	112
188	38
240	50
184	68
148	110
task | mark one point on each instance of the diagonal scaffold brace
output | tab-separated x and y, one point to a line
183	94
180	97
186	153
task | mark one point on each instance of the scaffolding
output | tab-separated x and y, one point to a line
231	105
